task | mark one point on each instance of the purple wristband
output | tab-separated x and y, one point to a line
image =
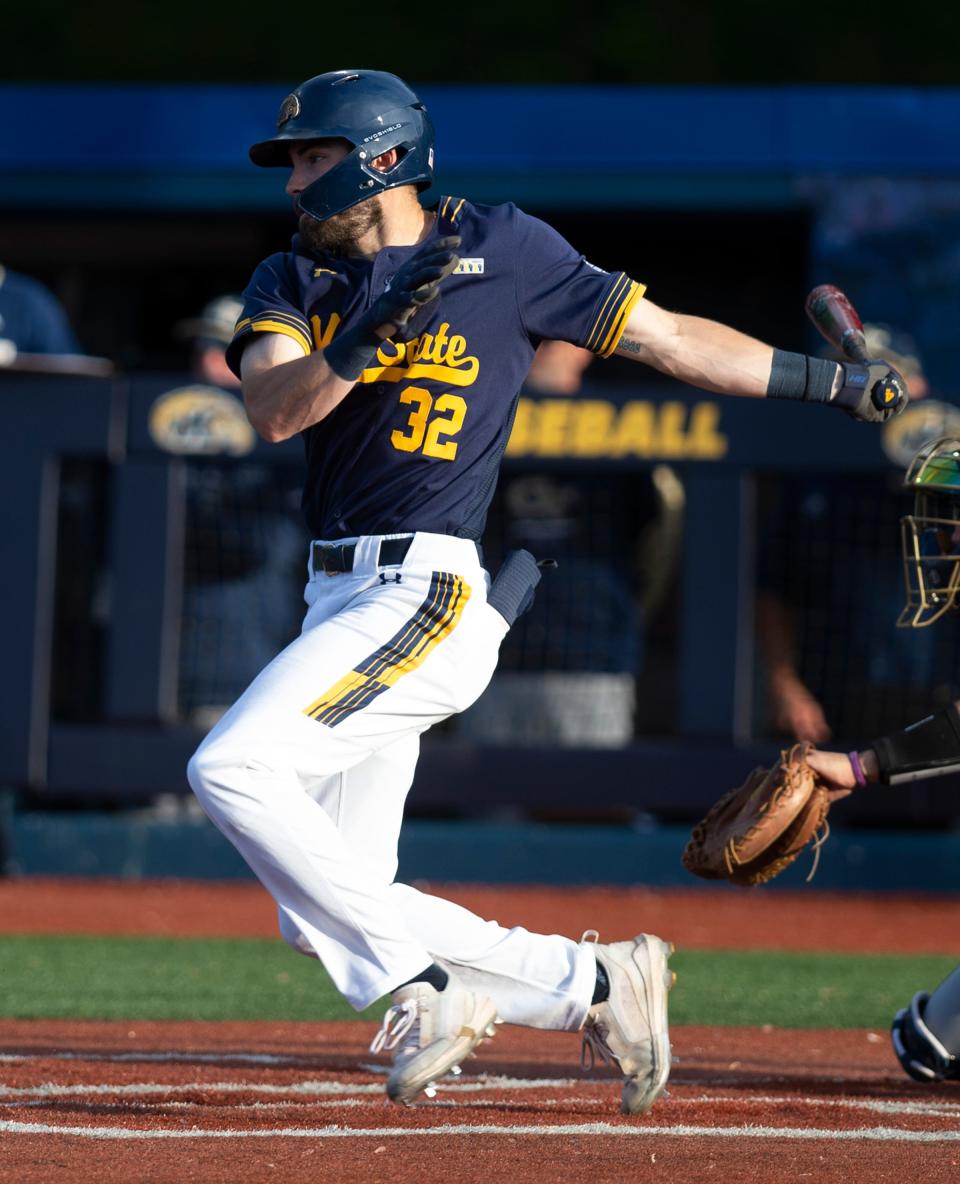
857	767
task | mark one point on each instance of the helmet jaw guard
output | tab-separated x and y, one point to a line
374	112
930	537
354	178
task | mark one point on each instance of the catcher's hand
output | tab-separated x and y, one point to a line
754	832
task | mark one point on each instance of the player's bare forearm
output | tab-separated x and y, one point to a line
836	771
697	351
285	394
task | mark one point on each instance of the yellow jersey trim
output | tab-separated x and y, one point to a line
268	325
449	210
617	290
620	323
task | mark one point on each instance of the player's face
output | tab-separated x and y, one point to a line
309	162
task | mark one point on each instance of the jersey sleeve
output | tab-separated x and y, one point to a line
563	297
270	305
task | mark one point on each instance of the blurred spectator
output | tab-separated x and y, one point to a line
558	368
567	670
830	589
243	566
209	334
32	320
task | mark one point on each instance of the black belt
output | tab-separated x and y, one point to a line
334	558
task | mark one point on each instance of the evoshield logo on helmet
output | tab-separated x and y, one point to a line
384	131
289	109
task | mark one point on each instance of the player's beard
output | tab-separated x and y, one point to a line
340	232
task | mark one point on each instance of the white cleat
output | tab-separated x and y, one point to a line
630	1027
429	1033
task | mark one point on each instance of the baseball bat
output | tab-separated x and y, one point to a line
838	321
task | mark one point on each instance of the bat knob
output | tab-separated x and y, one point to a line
890	393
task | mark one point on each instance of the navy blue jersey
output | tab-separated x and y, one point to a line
417	443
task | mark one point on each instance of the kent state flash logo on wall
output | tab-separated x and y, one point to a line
200	421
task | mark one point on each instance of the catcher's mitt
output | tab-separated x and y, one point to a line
754	832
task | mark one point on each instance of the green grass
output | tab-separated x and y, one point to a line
163	978
798	990
253	979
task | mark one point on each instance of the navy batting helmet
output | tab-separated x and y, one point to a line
374	112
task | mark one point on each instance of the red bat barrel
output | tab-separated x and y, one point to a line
838	321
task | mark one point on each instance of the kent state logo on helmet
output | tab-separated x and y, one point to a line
374	112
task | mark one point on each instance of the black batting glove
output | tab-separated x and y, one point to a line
415	284
872	391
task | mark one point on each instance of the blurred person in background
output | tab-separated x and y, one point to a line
242	550
829	594
568	668
208	336
32	319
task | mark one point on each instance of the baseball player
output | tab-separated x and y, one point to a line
926	1034
394	337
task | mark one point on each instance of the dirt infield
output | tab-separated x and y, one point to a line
228	1102
704	918
297	1102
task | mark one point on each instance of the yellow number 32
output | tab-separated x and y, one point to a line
424	434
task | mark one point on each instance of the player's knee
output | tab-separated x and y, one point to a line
195	772
199	770
918	1049
213	770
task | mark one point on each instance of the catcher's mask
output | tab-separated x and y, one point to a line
931	534
374	112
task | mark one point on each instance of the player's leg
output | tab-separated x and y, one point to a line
259	766
926	1035
541	981
538	980
368	668
379	659
616	994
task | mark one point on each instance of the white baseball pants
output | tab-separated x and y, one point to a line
307	774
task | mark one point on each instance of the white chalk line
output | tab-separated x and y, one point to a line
339	1095
49	1089
540	1130
482	1083
174	1058
291	1062
313	1090
324	1104
876	1105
